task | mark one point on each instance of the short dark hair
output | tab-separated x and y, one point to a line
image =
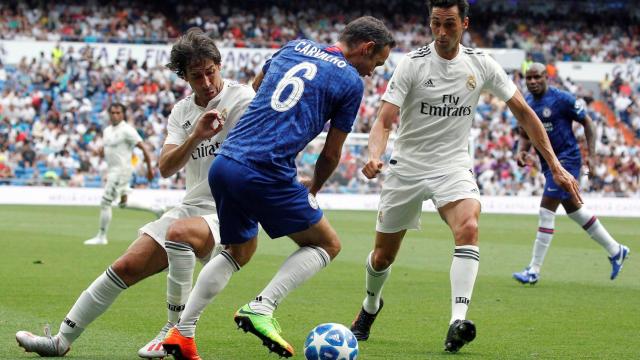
117	104
193	47
463	6
367	28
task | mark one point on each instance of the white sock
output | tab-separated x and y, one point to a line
546	225
298	268
596	231
464	269
139	205
374	281
93	302
182	261
211	281
105	220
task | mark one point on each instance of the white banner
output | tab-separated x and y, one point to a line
27	195
595	72
12	51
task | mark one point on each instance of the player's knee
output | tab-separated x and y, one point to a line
381	260
128	270
177	232
467	233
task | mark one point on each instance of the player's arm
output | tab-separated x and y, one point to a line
529	121
523	157
379	137
257	81
147	159
590	135
173	157
328	159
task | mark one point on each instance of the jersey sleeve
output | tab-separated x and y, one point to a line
344	116
267	63
575	107
133	137
497	81
400	83
175	133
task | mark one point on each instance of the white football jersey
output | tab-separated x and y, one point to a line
231	102
437	100
119	142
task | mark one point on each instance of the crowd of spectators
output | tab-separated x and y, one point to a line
52	108
552	30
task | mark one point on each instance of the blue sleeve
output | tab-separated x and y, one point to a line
575	107
345	113
267	63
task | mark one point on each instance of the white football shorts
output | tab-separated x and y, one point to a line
116	186
400	205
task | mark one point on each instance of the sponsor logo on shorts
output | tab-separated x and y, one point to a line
313	202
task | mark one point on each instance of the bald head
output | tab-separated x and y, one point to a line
536	79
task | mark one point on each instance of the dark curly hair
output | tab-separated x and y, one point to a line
193	47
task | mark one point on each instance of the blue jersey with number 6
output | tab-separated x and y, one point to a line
305	84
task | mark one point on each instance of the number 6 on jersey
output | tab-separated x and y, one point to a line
289	78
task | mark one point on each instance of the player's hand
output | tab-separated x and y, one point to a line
523	158
150	175
591	165
372	168
209	124
306	181
567	182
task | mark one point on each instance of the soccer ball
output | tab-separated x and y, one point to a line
331	342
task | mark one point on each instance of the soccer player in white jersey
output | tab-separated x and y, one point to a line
197	126
436	90
119	140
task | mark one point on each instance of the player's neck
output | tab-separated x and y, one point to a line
448	55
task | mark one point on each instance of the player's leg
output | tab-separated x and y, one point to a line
135	204
544	235
590	223
142	259
399	209
109	195
462	217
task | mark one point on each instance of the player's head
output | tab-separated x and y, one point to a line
368	43
448	20
536	79
117	113
196	58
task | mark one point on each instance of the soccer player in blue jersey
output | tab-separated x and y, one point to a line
558	110
253	179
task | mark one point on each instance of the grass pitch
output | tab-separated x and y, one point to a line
574	312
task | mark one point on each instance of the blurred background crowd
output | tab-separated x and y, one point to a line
52	108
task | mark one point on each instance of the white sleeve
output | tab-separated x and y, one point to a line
132	136
497	81
176	135
400	83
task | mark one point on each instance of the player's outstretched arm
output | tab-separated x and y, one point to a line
328	159
538	136
173	157
147	159
590	135
378	138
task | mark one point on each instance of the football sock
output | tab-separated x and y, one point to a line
105	219
374	282
182	261
464	269
298	268
212	279
93	302
546	225
596	231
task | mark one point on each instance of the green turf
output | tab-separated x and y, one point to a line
575	312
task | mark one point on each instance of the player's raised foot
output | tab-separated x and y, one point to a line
264	327
154	349
618	260
461	332
181	347
526	276
45	346
97	240
361	325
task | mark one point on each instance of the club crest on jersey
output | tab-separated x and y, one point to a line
546	112
471	83
313	202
